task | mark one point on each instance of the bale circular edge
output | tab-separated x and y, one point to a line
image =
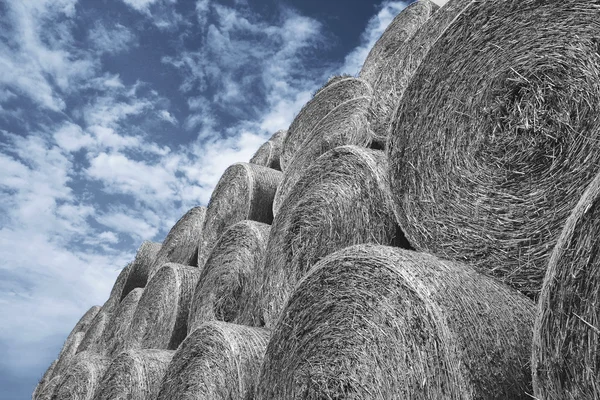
115	333
141	267
81	380
269	153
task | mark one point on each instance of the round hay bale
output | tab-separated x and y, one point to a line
81	326
218	360
335	92
344	125
82	379
45	378
181	244
141	267
116	294
376	322
499	136
134	375
67	353
92	340
115	333
343	199
244	192
268	154
160	319
226	276
47	392
566	338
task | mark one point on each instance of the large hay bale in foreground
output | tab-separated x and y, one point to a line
67	353
268	154
217	361
82	379
181	244
141	267
225	282
43	381
115	334
135	375
336	91
160	319
375	322
566	349
344	125
244	192
343	199
92	340
499	135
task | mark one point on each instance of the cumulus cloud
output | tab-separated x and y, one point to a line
114	39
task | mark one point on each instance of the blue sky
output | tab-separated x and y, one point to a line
117	116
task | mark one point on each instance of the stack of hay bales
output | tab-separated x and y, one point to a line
269	154
139	269
81	380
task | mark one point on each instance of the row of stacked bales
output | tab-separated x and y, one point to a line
393	241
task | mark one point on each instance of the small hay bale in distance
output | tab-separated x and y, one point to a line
67	353
344	125
45	378
141	267
160	319
499	135
244	192
218	361
135	375
82	379
343	199
268	154
81	326
116	294
92	340
336	91
115	333
566	338
376	322
225	282
181	244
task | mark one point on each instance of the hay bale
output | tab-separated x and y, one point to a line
218	360
268	154
565	358
224	284
92	342
116	294
115	333
141	267
181	244
344	125
47	392
343	199
67	353
81	326
134	375
43	381
244	192
337	91
499	136
376	322
160	319
82	379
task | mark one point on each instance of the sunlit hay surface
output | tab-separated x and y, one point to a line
244	192
376	322
342	199
566	351
218	361
181	244
499	135
225	284
141	266
269	153
344	125
135	375
336	91
82	379
160	319
115	334
92	339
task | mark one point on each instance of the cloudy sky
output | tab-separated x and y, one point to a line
117	116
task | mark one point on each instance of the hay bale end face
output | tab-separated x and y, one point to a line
141	267
244	192
269	153
115	333
134	375
375	322
225	283
116	294
343	199
218	361
160	319
566	361
92	340
82	379
499	135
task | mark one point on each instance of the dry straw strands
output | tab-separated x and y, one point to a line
343	199
225	282
344	125
376	322
92	339
115	333
335	92
81	326
217	361
141	266
134	375
116	294
268	154
46	392
499	135
81	380
566	350
45	378
181	244
67	353
244	192
160	319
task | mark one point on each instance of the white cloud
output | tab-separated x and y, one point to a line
140	5
125	223
167	116
111	40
